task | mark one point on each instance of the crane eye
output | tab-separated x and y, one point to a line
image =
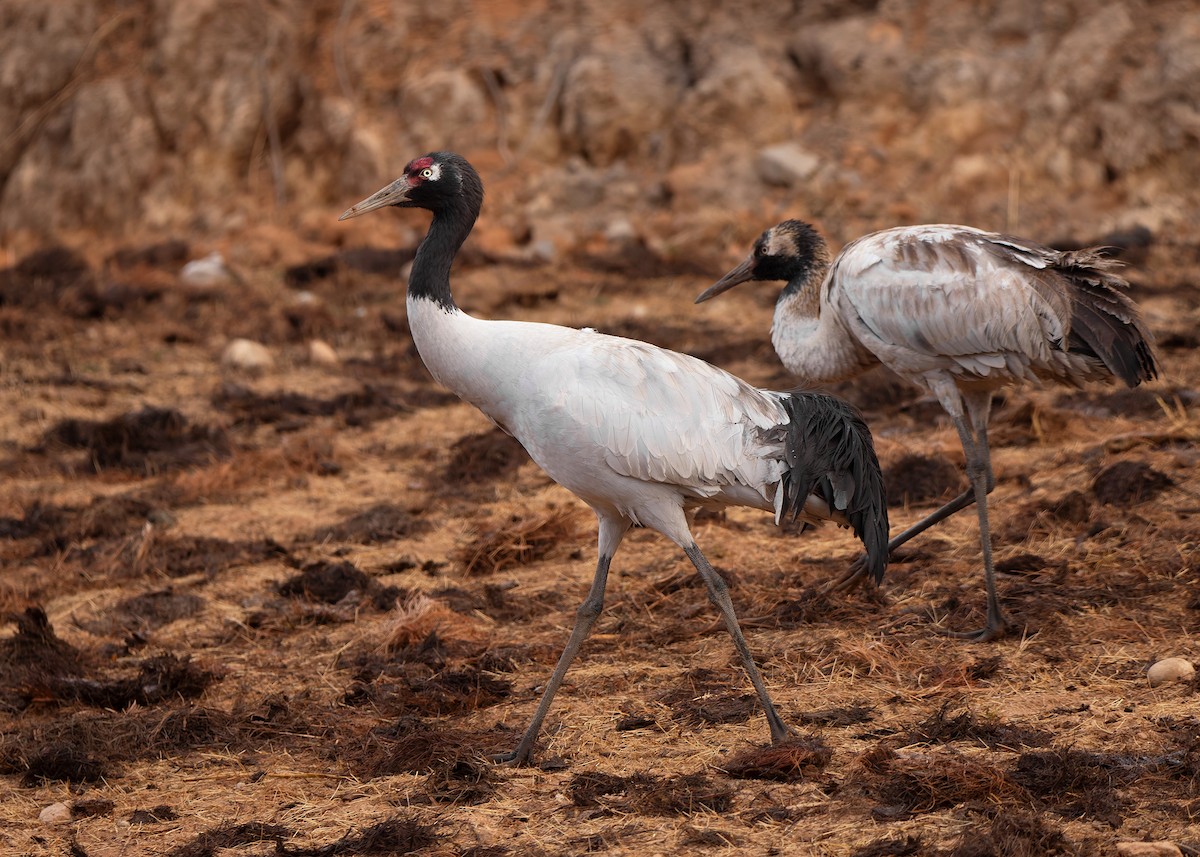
427	173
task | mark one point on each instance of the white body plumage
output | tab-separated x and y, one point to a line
622	424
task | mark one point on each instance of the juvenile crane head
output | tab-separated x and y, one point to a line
789	251
438	181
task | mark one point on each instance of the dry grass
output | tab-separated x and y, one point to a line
302	617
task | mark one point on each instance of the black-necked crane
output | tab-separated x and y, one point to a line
639	433
960	313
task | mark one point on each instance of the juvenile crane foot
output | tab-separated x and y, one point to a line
982	635
515	758
853	579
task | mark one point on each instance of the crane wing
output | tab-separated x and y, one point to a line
665	417
930	296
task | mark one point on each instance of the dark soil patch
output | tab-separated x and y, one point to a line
633	261
1013	833
157	679
1078	783
918	783
944	727
466	782
908	846
61	764
1127	483
452	691
703	697
54	277
143	613
878	391
722	351
647	794
58	527
186	555
395	836
167	255
100	742
796	759
501	601
383	522
34	657
916	479
154	815
520	540
1026	423
1138	402
327	582
144	553
149	441
1073	508
367	260
483	457
849	716
228	836
291	411
413	745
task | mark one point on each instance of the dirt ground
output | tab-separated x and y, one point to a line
293	612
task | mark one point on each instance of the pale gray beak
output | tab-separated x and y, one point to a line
737	276
393	194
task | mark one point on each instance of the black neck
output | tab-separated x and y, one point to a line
430	275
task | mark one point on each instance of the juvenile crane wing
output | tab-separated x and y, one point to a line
952	297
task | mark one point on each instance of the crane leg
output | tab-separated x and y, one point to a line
979	471
718	593
612	530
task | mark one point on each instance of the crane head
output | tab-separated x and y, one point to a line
786	251
437	181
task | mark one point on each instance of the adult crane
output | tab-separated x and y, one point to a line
959	312
639	433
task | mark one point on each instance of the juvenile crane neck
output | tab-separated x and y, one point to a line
801	296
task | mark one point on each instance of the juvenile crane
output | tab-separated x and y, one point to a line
638	433
960	313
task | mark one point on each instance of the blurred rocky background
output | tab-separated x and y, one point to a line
682	127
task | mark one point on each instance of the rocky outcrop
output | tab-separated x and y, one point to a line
153	115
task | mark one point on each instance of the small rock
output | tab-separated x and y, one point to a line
1170	669
247	356
207	274
786	164
322	353
1148	849
621	231
55	813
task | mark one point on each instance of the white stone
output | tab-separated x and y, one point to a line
1148	849
55	813
322	353
1170	669
207	274
247	355
786	164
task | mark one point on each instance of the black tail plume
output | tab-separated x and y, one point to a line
1104	321
830	453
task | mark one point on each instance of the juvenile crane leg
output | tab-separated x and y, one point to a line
718	593
612	530
979	471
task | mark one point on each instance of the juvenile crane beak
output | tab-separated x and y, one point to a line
737	276
393	194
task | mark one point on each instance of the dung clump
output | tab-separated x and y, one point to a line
920	479
149	441
1127	483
